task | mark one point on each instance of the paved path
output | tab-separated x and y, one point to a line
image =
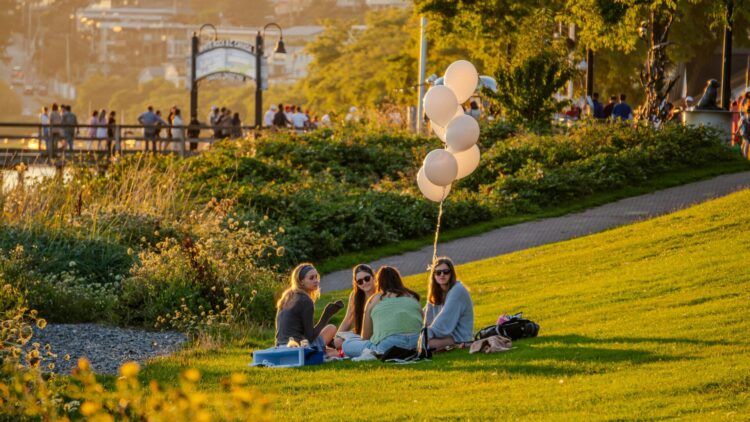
527	235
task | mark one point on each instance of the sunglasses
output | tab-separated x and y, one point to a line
442	272
362	280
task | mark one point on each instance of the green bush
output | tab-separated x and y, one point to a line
222	267
348	190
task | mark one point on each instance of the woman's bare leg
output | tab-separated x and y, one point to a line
327	333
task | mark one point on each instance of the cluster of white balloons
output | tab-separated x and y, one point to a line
459	131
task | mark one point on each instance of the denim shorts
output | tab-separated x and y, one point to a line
354	346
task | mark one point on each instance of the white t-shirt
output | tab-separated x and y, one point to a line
268	118
298	120
44	119
177	132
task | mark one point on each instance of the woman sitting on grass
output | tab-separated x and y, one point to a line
449	311
295	309
392	317
363	287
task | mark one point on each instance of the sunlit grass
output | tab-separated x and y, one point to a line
647	321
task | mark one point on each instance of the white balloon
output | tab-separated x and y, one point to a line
467	161
461	133
429	190
462	77
440	104
440	167
440	130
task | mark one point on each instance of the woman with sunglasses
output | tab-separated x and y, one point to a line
449	311
363	287
392	317
295	309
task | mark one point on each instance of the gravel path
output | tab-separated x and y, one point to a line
106	347
540	232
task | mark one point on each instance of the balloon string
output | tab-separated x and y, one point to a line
437	230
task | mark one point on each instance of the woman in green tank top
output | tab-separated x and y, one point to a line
393	317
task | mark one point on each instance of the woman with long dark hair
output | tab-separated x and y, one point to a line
296	307
449	311
392	317
363	287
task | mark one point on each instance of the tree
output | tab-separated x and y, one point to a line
485	27
375	67
618	27
682	30
526	89
538	68
368	68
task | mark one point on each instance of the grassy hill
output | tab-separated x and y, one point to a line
648	321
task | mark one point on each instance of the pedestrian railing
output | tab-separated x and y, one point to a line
52	142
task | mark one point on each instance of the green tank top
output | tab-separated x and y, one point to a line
395	315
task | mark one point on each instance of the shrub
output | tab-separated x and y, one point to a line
68	297
219	268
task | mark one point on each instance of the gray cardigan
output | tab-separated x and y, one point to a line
454	318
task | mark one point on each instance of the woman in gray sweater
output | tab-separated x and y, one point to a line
449	312
295	309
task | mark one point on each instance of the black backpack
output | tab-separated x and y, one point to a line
515	328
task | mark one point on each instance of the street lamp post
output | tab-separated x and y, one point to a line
195	43
259	38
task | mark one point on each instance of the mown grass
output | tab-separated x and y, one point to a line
664	181
647	321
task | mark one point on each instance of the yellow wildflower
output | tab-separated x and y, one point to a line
89	408
192	375
129	369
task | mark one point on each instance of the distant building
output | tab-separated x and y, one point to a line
290	7
167	72
349	3
388	3
152	40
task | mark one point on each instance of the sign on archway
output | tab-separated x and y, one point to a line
229	59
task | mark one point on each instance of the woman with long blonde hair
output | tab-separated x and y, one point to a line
296	307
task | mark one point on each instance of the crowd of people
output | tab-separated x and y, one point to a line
59	124
164	133
617	109
381	312
291	117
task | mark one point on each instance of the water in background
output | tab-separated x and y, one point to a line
34	174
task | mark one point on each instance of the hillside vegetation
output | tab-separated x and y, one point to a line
645	322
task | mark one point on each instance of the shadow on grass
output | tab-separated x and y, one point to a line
578	339
548	356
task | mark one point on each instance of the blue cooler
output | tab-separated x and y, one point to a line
287	357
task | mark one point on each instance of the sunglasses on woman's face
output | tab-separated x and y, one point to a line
362	280
442	272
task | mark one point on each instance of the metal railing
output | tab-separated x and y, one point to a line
53	142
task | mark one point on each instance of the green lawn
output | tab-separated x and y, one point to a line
648	321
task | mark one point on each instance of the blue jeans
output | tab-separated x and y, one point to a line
354	346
